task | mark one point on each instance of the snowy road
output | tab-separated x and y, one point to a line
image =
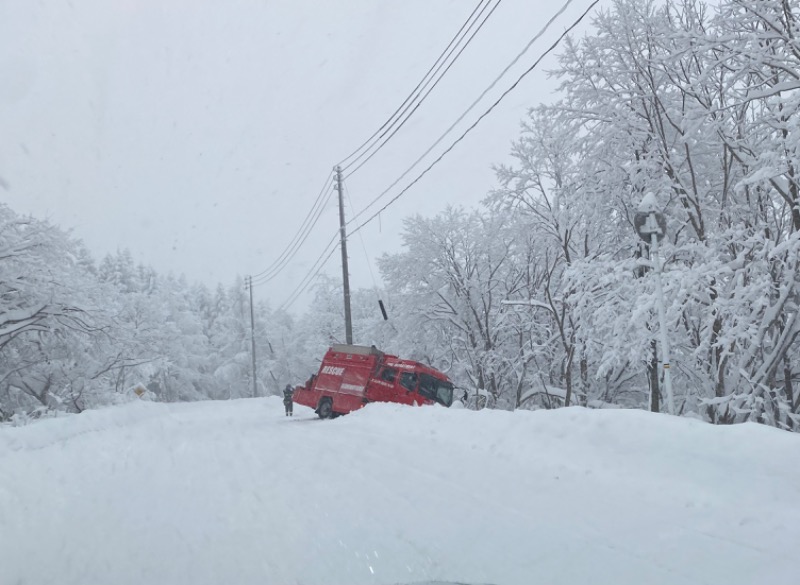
212	493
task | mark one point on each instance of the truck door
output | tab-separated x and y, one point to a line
408	387
383	386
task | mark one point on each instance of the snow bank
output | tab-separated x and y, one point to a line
234	492
48	432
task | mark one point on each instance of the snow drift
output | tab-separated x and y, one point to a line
233	492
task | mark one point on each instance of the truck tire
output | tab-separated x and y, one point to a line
325	408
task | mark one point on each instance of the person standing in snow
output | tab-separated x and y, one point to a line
287	399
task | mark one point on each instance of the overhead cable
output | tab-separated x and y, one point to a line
267	278
330	248
315	269
363	245
472	106
305	229
429	76
402	123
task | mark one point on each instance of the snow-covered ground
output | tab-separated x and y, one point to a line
215	492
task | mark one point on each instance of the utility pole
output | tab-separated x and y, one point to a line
348	322
249	284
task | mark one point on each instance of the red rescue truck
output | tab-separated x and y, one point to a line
351	376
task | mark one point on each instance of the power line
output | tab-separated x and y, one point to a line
300	236
423	83
363	245
330	248
469	109
300	230
303	286
410	96
420	102
474	124
320	263
316	268
296	249
430	76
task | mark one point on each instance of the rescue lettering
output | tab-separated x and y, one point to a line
333	371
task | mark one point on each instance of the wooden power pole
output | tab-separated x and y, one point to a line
348	322
249	284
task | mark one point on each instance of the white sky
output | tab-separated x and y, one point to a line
198	133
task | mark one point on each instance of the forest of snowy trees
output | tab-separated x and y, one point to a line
542	296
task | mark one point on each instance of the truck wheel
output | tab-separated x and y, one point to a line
325	409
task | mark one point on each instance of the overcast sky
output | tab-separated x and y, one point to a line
197	133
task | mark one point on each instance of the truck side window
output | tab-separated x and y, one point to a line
408	380
389	374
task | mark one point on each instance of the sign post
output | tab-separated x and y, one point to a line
651	226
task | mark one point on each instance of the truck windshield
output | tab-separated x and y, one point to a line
438	390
